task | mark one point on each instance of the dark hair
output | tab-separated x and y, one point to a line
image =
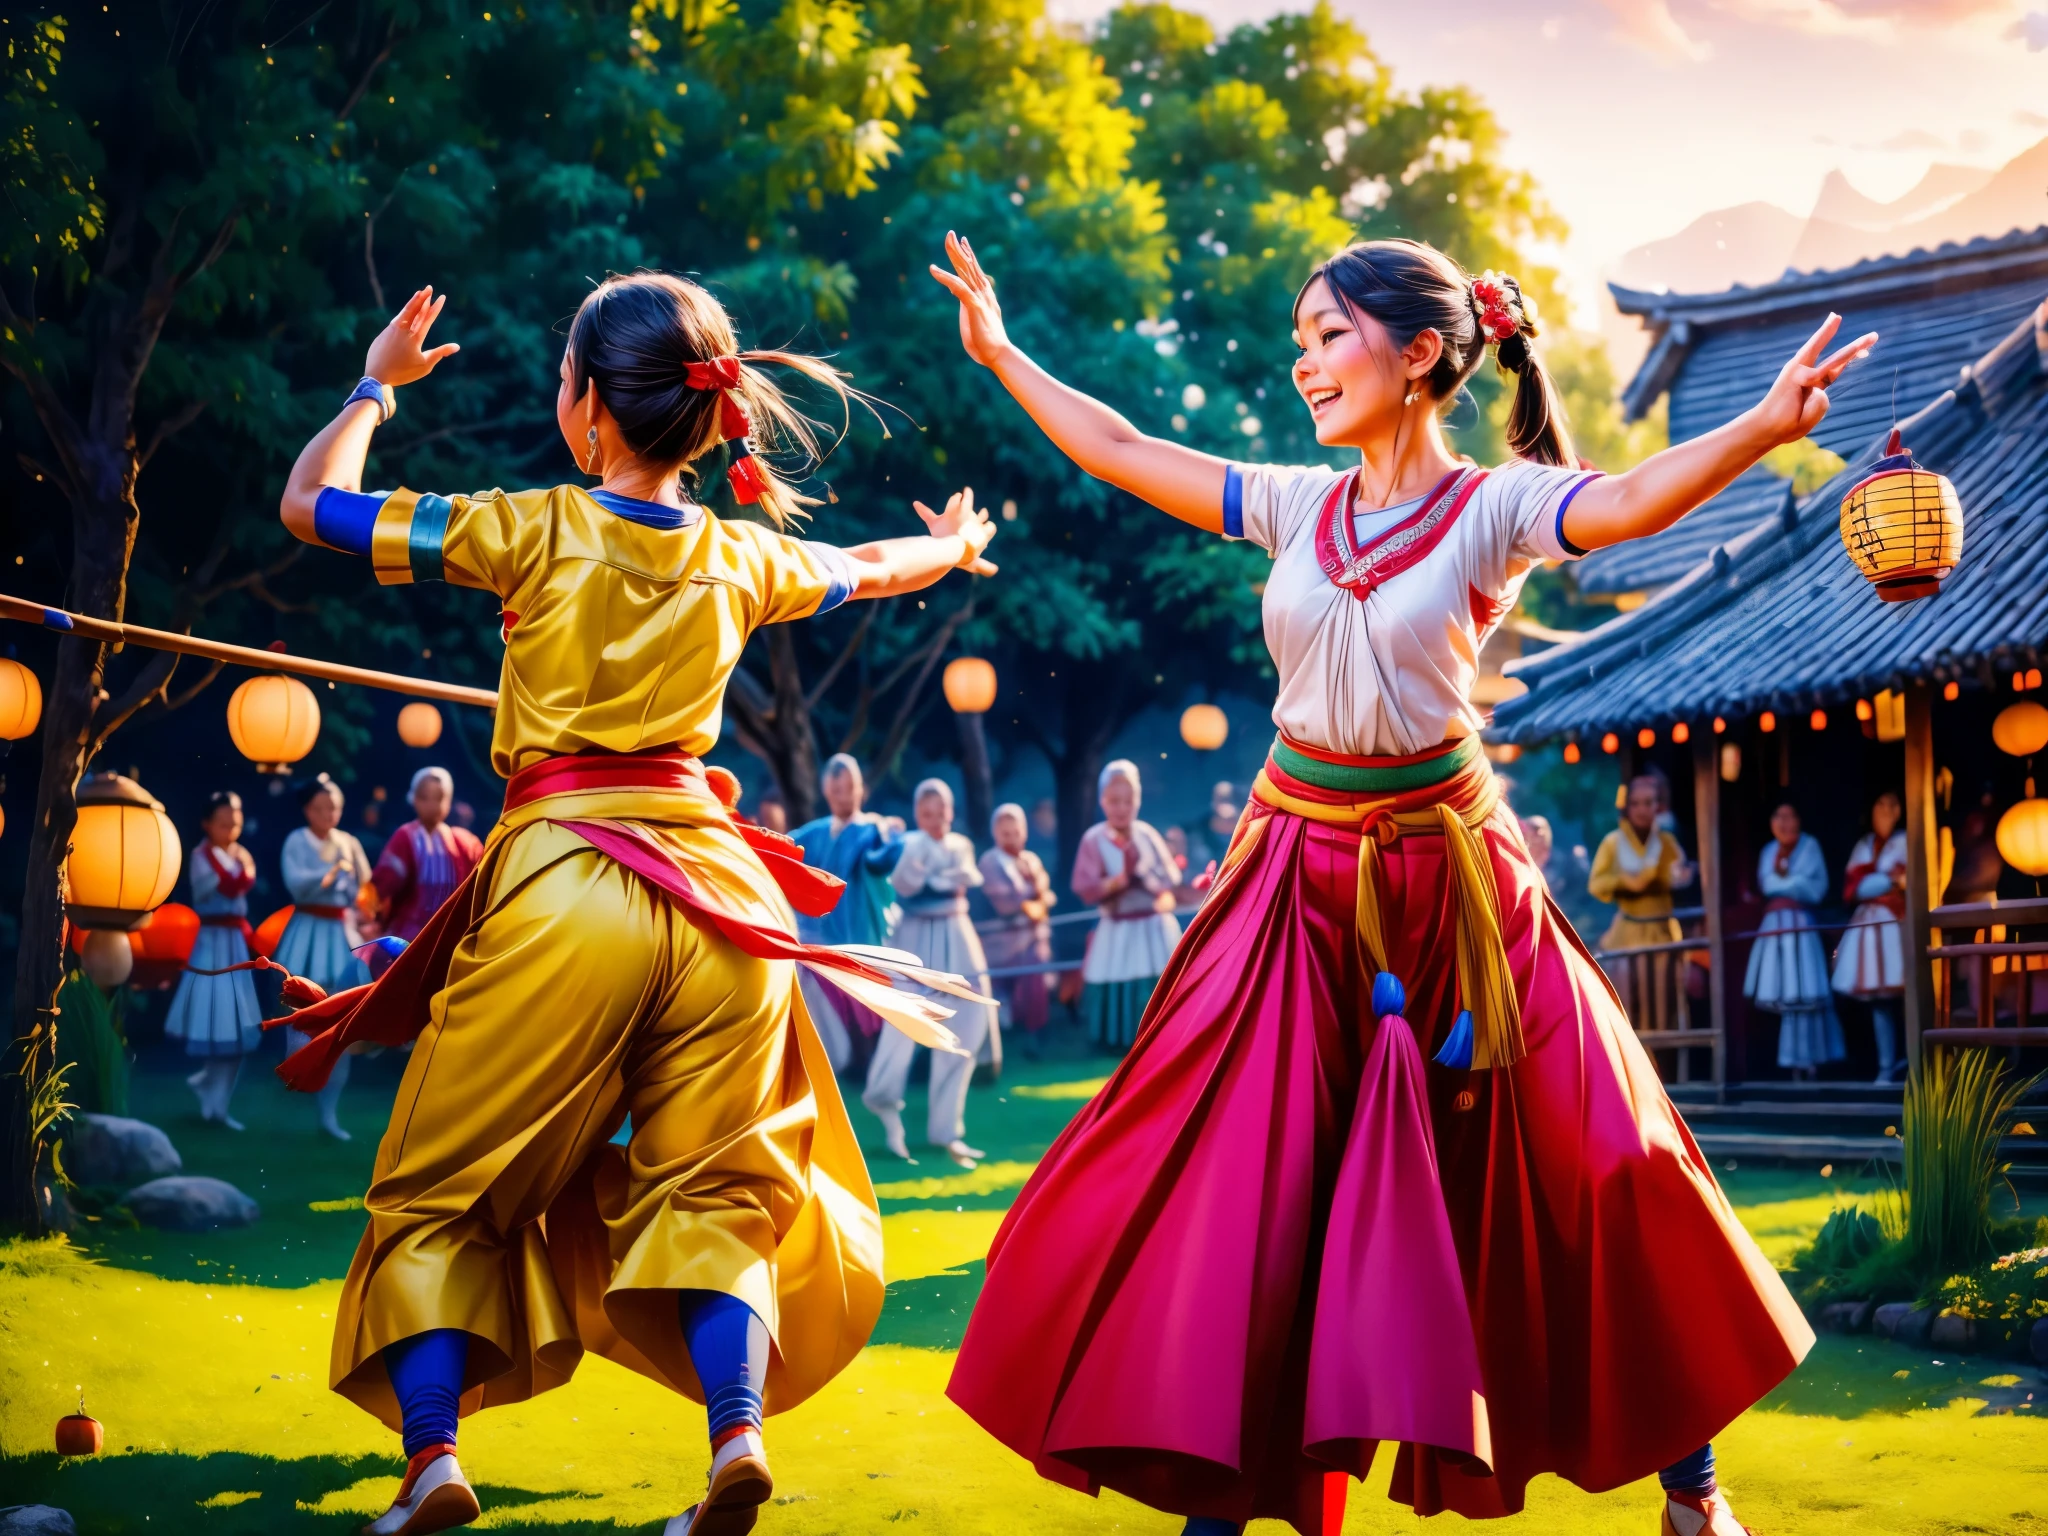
320	784
219	800
634	339
1409	288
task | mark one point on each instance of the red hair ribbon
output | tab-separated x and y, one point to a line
744	474
1496	322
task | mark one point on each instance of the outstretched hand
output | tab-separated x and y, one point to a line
969	522
981	317
1798	400
399	355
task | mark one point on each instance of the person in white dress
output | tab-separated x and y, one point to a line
325	869
1015	881
1870	964
217	1015
1788	967
1125	870
932	879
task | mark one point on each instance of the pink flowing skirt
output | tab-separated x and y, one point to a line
1278	1237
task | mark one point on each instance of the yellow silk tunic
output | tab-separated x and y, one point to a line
619	636
578	993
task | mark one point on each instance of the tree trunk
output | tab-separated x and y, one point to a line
980	780
104	518
1091	718
796	768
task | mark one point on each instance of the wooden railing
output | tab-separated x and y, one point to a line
1986	960
1640	978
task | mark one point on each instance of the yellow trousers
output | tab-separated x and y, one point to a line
497	1205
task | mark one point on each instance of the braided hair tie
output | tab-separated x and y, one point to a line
734	426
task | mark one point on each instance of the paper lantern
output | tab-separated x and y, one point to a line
1818	720
1902	525
970	685
1767	722
1610	743
1204	727
158	951
419	724
78	1434
21	700
270	932
2023	835
1571	752
1731	762
1890	709
1720	725
274	720
1681	733
1646	738
106	957
124	855
2021	730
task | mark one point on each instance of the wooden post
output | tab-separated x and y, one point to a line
1706	801
1922	861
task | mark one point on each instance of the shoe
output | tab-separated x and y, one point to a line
1712	1518
740	1485
334	1129
196	1081
961	1153
231	1122
435	1496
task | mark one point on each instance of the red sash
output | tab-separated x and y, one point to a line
1360	571
395	1008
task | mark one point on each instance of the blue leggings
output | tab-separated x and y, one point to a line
728	1345
1693	1474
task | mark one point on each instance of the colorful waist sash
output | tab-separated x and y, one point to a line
1447	791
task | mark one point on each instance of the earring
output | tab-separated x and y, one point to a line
1410	397
590	459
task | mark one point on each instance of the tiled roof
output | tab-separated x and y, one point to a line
1779	618
1644	564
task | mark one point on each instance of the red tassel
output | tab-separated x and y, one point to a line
300	992
746	479
717	373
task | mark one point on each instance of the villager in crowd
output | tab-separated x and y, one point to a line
1014	880
1124	867
217	1016
1870	964
1637	867
861	849
423	863
932	879
1788	966
325	870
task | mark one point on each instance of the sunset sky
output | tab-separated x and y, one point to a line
1638	115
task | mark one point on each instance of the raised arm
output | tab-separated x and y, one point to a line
1176	479
954	539
334	458
1665	486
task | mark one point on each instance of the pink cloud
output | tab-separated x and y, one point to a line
1650	25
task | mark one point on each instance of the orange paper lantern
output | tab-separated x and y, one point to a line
419	724
1767	721
1204	727
1681	733
970	685
1571	751
124	855
21	700
2021	729
1903	525
2023	835
1610	743
79	1435
274	720
1646	738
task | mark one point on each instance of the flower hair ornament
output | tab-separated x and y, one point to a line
1502	311
734	426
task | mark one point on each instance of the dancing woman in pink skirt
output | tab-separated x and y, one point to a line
1386	1162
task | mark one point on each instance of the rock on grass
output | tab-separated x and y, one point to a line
191	1203
117	1151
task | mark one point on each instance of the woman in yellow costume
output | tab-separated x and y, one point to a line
1638	866
625	944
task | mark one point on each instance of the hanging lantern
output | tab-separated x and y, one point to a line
1720	725
970	685
1681	733
106	957
1818	720
1646	738
158	951
79	1434
1902	525
1204	727
21	700
1610	743
2023	835
1890	709
124	855
419	724
274	720
1571	751
1767	722
1731	762
2021	730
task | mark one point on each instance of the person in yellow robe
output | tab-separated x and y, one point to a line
623	945
1636	868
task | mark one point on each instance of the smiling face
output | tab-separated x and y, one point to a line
1351	375
1010	832
1785	826
323	812
1885	812
224	826
934	816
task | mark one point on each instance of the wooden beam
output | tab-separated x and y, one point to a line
25	612
1706	801
2038	1035
1922	860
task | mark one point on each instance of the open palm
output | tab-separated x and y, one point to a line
981	317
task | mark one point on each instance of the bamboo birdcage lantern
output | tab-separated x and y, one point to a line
1903	525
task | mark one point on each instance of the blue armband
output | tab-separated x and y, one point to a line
1233	502
838	569
373	389
343	519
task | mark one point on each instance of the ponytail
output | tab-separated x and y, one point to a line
662	355
1409	287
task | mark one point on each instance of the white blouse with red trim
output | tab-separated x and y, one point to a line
1391	673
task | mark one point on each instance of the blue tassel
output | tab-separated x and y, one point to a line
1457	1047
391	946
1388	995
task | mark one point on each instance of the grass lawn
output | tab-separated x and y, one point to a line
206	1357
